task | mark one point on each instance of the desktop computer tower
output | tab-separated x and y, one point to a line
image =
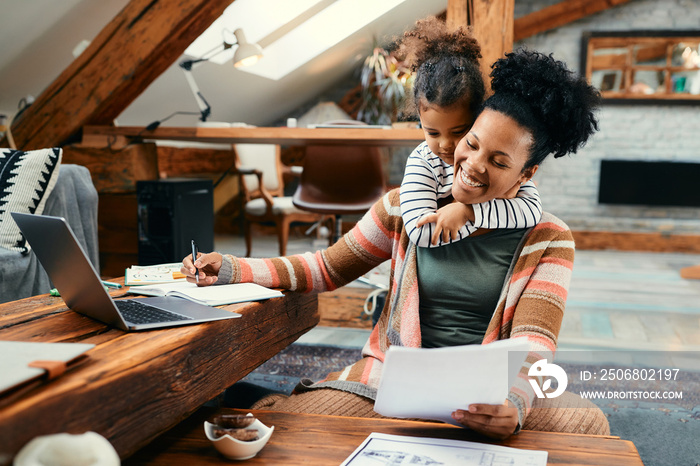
171	213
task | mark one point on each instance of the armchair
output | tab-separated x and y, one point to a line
74	197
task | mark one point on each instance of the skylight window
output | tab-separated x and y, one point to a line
257	18
290	32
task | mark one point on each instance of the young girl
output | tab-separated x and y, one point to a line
448	92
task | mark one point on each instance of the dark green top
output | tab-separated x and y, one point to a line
460	284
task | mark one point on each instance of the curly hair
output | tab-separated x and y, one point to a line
445	63
555	104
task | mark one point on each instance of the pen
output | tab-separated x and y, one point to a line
111	284
194	258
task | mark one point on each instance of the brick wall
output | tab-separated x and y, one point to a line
569	186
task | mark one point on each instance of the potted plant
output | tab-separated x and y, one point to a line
383	80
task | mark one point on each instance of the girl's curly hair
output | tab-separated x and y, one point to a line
540	93
445	63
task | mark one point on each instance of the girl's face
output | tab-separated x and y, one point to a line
444	127
489	160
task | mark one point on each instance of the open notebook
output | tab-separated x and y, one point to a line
215	295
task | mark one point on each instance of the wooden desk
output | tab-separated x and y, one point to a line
328	440
138	385
98	135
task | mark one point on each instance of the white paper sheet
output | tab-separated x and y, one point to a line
430	383
380	449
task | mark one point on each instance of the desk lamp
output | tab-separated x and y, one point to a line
246	54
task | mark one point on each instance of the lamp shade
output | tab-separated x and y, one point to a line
246	54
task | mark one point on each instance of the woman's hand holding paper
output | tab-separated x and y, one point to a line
495	421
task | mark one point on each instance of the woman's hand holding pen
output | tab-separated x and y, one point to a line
208	266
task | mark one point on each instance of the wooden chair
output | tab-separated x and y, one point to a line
260	169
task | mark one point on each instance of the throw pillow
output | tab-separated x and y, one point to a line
26	180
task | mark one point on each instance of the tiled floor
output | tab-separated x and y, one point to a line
617	300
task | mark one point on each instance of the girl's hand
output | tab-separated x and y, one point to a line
495	421
448	221
208	266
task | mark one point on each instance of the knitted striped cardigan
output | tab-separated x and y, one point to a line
531	304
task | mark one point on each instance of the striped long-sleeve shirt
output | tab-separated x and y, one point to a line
428	178
531	304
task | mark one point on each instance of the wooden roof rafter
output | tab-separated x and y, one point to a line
130	52
558	15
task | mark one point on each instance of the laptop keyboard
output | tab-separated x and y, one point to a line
139	313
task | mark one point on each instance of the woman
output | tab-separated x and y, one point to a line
493	285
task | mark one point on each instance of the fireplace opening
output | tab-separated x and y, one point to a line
670	184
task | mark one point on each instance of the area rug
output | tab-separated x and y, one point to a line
282	372
665	433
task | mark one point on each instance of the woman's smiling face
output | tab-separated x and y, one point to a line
489	160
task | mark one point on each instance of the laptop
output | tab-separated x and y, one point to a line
80	286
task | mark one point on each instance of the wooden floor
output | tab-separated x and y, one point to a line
632	300
617	300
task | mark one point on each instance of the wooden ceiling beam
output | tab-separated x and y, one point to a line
559	15
139	44
457	13
492	25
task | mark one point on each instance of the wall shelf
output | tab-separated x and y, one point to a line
661	67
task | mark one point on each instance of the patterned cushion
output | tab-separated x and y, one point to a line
26	180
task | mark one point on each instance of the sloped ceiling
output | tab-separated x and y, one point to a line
38	37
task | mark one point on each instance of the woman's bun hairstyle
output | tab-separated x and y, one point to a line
543	95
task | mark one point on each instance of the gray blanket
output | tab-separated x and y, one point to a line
74	198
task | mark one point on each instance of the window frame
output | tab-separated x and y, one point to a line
628	39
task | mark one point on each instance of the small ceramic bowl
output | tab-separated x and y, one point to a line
238	449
